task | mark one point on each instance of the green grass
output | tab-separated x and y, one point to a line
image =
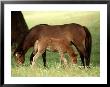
90	19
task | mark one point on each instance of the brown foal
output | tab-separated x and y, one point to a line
54	44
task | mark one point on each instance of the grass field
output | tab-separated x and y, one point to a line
91	19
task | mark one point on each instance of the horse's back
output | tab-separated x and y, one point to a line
68	31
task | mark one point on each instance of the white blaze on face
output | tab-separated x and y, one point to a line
16	54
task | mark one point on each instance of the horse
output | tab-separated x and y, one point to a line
19	28
74	33
54	44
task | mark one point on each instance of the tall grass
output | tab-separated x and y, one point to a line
90	19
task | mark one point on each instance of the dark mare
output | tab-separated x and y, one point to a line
75	34
19	28
54	44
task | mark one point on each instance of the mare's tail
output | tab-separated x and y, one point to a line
88	46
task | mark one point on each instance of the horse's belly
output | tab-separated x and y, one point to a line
53	49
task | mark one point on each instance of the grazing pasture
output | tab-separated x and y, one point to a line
90	19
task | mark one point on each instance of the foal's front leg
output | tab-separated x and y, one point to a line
43	57
38	54
35	58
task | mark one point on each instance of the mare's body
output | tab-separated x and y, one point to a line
76	34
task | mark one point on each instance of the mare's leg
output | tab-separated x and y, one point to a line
82	53
62	58
31	58
44	58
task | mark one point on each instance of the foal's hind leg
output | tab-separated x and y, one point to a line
62	58
72	54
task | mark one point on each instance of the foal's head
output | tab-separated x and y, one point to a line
19	57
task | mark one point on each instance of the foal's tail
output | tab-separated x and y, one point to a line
88	46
